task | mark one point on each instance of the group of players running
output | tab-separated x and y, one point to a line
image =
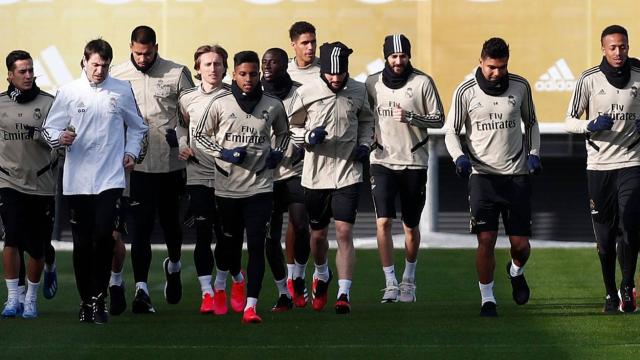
290	136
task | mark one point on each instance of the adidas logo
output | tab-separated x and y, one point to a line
602	92
557	78
50	70
233	116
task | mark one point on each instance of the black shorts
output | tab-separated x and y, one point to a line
410	184
27	220
323	204
614	197
493	195
286	192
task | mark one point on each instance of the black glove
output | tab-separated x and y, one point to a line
602	122
298	154
234	156
463	166
273	159
317	135
534	164
361	153
172	138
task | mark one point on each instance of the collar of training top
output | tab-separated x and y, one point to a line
22	97
492	88
617	77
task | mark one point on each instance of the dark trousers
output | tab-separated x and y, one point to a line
92	220
615	203
151	193
202	203
250	214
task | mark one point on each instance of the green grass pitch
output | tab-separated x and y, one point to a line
562	320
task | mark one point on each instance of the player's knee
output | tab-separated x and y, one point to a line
384	224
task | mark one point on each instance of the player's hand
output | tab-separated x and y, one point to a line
273	159
316	136
128	162
172	138
234	156
361	153
463	166
67	137
185	154
399	114
601	123
534	164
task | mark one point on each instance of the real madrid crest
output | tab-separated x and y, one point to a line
265	115
37	114
408	93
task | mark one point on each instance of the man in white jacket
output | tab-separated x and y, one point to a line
97	119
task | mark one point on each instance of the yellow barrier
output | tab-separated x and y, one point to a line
552	41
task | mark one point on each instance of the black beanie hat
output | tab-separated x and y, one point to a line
397	43
334	58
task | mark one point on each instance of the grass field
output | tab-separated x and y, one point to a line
561	321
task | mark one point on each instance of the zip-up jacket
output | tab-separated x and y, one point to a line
305	74
225	125
593	96
156	92
347	119
107	124
404	145
27	163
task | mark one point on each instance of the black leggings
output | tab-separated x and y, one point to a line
203	208
298	217
250	214
92	219
150	193
615	203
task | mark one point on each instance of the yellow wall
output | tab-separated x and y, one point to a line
446	35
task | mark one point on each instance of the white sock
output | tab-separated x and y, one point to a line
116	279
290	269
50	268
486	292
389	273
32	291
174	267
282	287
409	271
300	271
12	288
322	271
143	286
221	280
516	270
205	284
344	286
251	302
22	292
